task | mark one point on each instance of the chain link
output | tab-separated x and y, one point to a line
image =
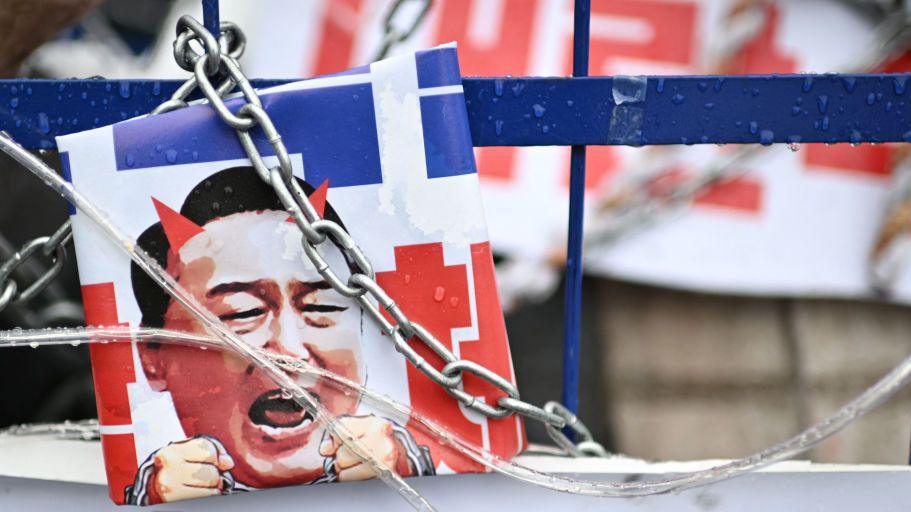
395	33
319	233
52	247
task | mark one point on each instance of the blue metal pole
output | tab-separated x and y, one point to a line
210	17
572	308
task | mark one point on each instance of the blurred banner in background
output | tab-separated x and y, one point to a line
765	221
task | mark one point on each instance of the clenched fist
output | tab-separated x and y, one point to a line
188	469
377	436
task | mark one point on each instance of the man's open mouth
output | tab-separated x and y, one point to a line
273	410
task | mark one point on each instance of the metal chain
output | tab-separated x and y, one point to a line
360	284
397	30
52	247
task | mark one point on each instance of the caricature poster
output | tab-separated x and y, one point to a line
384	151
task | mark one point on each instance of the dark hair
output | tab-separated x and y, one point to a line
234	190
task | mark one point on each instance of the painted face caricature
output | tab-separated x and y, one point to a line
248	268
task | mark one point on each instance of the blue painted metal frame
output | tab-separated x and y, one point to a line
530	111
576	112
572	305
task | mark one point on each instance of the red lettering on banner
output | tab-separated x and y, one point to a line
741	193
437	296
112	369
340	25
762	55
657	31
501	49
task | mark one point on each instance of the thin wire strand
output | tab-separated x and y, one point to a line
887	386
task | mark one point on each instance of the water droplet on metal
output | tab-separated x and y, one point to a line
766	137
171	156
498	87
678	99
899	85
754	127
793	146
44	123
822	103
539	110
807	84
125	90
439	294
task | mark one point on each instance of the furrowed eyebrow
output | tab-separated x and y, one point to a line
224	288
256	288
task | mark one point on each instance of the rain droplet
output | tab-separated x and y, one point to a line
678	99
33	344
754	127
855	137
130	160
660	86
44	123
171	156
766	137
871	98
539	110
229	191
569	103
900	84
498	87
407	278
216	207
439	294
702	86
709	106
453	301
793	146
849	82
498	126
125	90
822	103
517	89
286	394
14	102
807	84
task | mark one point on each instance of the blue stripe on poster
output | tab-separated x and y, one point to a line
447	141
437	67
67	175
333	128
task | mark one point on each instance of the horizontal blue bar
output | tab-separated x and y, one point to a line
531	111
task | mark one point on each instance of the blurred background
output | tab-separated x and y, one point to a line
734	295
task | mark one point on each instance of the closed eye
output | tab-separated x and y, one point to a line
239	315
321	308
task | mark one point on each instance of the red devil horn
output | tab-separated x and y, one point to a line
176	227
317	199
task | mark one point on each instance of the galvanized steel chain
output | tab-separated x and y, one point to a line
360	283
396	28
52	247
